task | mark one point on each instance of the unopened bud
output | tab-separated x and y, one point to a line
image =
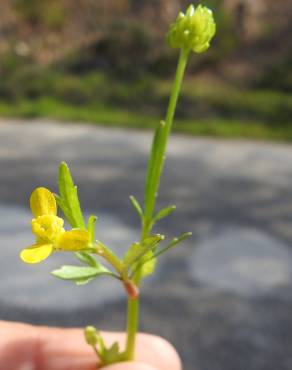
193	30
91	335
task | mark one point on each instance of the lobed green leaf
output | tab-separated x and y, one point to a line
138	250
148	261
86	258
80	275
132	253
148	267
112	354
83	281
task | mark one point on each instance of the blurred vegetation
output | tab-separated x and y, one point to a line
47	13
123	78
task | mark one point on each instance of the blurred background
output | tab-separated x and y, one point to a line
74	77
106	62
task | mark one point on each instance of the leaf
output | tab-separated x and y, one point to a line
131	254
148	263
137	206
83	281
152	241
138	250
148	267
152	166
86	258
68	200
145	267
80	274
111	355
173	243
101	343
65	209
164	212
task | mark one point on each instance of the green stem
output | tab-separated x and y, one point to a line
155	167
110	257
132	328
158	152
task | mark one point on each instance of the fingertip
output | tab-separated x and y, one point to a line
158	352
58	346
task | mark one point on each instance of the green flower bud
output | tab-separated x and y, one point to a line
91	335
193	30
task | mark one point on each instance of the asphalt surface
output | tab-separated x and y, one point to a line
224	298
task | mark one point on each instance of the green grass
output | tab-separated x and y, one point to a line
49	107
206	107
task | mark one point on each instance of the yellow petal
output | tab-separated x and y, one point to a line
74	240
36	253
42	202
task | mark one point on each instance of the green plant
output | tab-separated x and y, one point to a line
49	13
126	38
192	31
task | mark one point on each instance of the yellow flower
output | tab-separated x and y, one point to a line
49	231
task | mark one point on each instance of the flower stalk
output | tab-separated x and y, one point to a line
191	32
153	177
159	147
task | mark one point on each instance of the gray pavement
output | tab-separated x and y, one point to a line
224	298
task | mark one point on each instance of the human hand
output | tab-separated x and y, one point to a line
27	347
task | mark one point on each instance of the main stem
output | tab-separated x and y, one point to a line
158	152
155	167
